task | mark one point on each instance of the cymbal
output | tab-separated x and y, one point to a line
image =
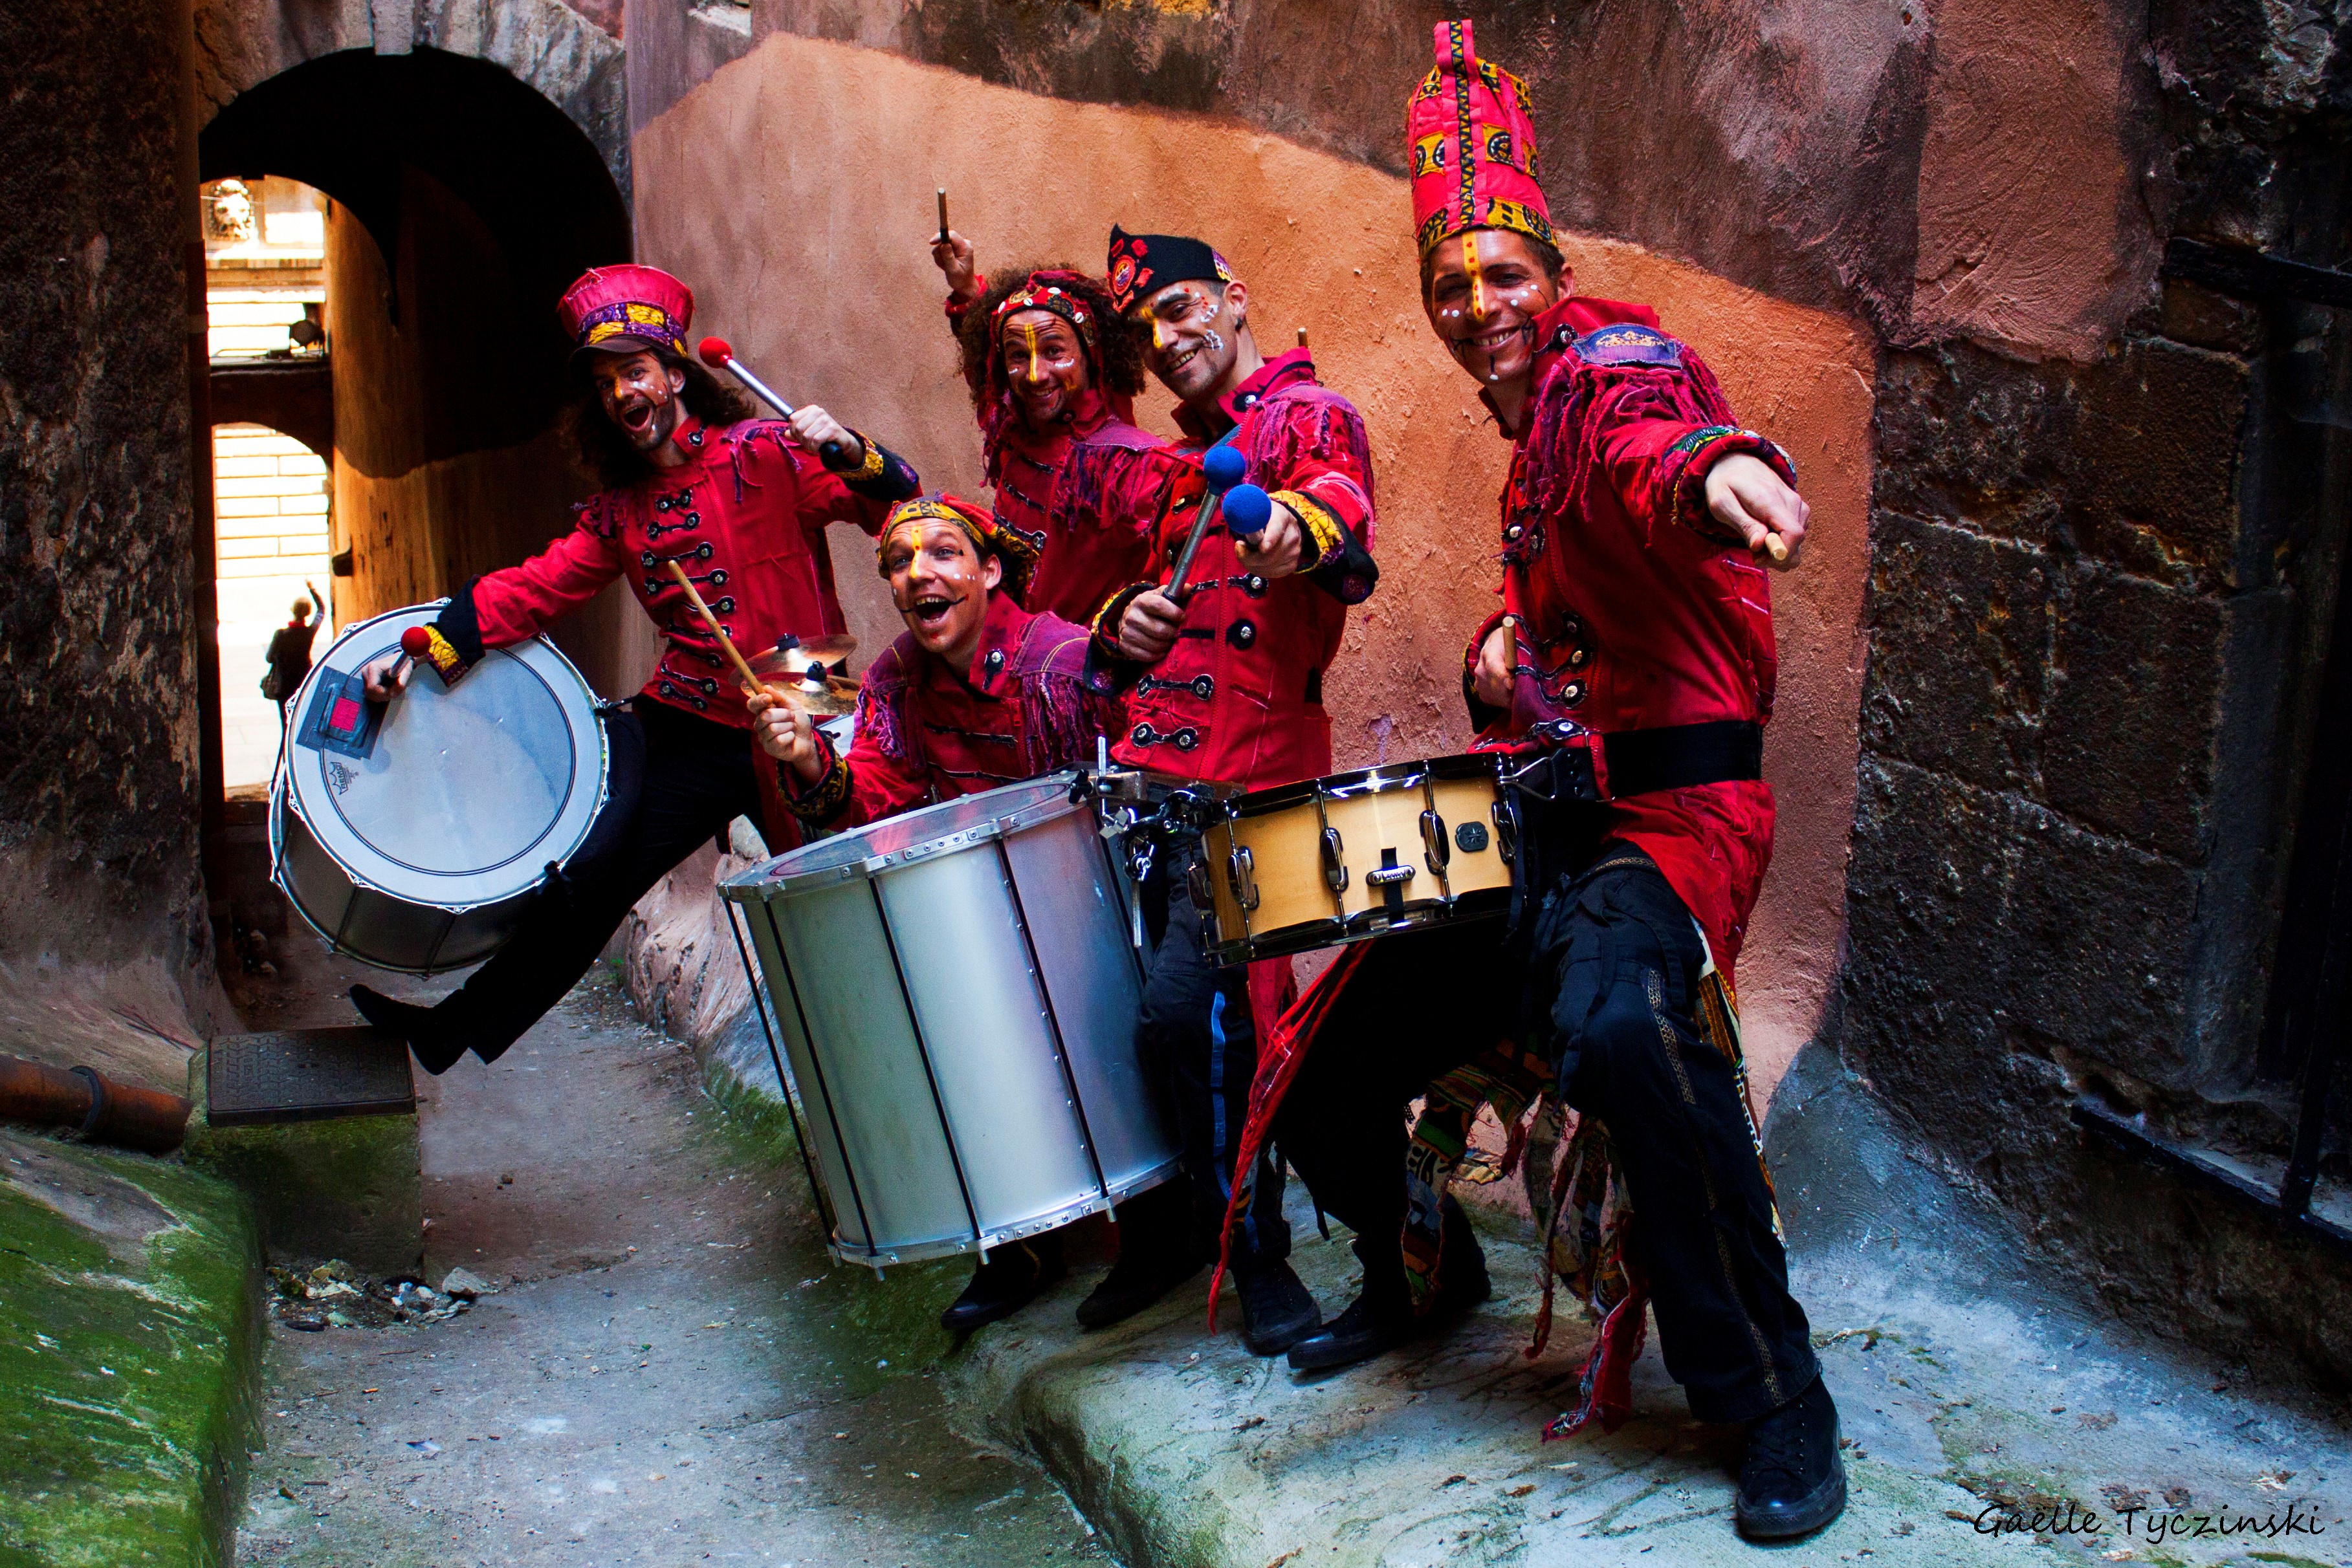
839	695
829	650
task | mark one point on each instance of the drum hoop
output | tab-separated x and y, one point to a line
1392	777
574	820
1306	935
1099	1202
751	884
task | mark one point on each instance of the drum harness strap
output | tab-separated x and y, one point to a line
1568	768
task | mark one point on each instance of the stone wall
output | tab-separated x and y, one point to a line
103	944
2099	604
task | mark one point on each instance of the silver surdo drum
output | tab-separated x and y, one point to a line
411	833
958	996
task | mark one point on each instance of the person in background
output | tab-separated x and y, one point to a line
289	651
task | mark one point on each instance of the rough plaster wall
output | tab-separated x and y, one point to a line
103	938
1774	143
2032	234
849	147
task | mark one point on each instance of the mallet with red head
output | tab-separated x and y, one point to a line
716	353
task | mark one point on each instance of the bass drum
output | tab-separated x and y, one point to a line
411	834
958	999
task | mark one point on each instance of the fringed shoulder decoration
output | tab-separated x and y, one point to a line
1577	400
1307	422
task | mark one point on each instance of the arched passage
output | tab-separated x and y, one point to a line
444	265
460	202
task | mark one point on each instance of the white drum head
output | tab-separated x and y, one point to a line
464	793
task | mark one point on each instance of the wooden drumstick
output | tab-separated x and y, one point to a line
753	684
1775	547
943	215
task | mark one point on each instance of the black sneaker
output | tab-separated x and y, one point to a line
437	1049
1277	1312
1010	1280
1792	1481
1140	1277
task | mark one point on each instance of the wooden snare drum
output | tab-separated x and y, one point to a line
1352	855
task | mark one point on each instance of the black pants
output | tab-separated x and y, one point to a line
675	782
1607	986
1197	1039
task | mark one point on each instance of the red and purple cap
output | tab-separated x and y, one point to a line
1471	139
623	309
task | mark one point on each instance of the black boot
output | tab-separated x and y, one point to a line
1140	1277
438	1048
1007	1283
1792	1481
1382	1318
1277	1312
1158	1250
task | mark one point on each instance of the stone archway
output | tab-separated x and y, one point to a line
548	47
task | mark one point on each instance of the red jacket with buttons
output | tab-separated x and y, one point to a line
745	515
926	732
1239	698
1633	608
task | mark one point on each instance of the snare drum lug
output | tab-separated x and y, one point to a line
1507	831
1434	846
1241	868
1334	865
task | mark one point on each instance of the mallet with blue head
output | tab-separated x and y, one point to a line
1222	468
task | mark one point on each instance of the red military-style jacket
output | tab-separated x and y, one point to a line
1239	699
926	732
746	517
1087	494
1633	608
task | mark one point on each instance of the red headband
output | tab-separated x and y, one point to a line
1043	292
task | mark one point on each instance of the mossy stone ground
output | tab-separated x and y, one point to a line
129	1332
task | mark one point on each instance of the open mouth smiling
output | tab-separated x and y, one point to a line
931	609
636	418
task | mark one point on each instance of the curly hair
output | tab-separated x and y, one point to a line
1121	342
601	448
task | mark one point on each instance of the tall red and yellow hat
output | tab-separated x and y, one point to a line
1471	139
623	309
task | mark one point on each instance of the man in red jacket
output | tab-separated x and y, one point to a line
1226	683
977	692
742	504
1054	369
1630	673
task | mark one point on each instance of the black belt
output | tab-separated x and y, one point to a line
1641	761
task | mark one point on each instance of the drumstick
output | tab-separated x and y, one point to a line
1776	546
752	685
943	215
